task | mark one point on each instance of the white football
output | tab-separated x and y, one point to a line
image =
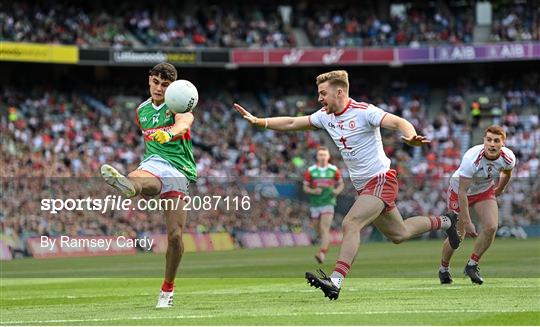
181	96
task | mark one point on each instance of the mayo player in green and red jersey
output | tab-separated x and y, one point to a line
166	170
323	183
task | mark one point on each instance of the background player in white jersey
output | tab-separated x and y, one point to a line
323	183
473	185
355	129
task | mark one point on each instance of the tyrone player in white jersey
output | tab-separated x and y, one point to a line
355	128
473	185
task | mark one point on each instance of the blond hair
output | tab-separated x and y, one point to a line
339	78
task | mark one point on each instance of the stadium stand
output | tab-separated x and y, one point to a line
136	25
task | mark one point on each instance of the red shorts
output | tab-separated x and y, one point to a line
384	186
453	201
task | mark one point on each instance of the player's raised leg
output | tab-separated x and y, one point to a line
325	222
392	225
137	182
488	214
120	182
175	221
145	182
365	209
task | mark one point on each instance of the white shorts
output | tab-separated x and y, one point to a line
173	183
316	212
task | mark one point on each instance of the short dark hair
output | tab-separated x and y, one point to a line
165	71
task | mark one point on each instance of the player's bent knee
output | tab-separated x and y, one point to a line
490	230
398	240
175	237
351	226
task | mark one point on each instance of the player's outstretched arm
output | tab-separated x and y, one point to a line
275	123
410	137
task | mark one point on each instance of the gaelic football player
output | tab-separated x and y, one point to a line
355	128
473	185
167	168
323	182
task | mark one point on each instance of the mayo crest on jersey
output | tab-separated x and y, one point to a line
356	132
482	170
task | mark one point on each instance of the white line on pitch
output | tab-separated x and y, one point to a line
236	315
254	290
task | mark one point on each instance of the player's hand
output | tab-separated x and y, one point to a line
415	140
470	230
247	116
498	191
161	136
317	190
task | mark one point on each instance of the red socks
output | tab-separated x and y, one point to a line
167	286
342	268
474	259
435	222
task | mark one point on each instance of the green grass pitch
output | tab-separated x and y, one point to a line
388	285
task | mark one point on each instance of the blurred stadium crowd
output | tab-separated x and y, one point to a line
139	24
48	133
68	135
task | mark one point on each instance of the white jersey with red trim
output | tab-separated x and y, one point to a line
356	133
482	170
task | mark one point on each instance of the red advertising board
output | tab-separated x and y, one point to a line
295	56
385	56
377	55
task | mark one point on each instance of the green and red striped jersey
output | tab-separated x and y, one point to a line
325	178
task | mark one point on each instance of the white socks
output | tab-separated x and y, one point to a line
472	262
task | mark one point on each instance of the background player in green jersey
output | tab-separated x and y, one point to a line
323	183
166	170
